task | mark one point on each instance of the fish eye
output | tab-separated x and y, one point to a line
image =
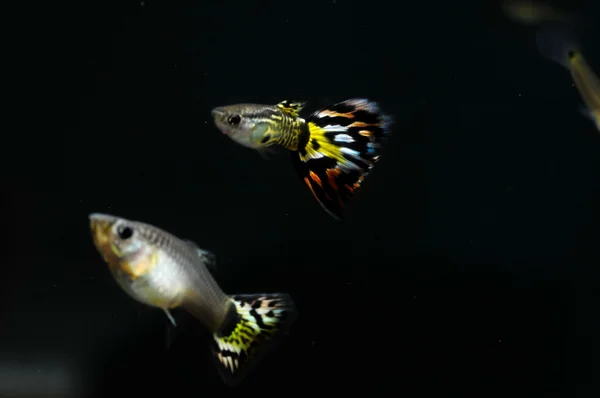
234	120
124	232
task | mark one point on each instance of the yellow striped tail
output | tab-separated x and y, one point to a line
344	144
254	326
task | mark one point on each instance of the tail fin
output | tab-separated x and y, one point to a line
558	43
342	148
254	326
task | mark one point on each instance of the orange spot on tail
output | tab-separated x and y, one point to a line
307	181
363	124
331	176
349	115
315	178
354	186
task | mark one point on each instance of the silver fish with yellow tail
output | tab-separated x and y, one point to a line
163	271
333	149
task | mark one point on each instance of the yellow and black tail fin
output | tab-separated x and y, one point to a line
342	146
254	325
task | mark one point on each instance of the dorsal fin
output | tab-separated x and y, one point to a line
292	108
209	259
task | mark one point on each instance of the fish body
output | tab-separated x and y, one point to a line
160	270
560	44
530	12
333	149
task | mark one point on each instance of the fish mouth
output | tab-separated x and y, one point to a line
101	217
218	115
217	112
101	224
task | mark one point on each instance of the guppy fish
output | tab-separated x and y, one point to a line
560	44
530	12
333	149
162	271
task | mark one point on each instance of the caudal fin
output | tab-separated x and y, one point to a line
254	326
343	146
558	43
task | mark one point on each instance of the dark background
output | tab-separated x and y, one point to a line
467	266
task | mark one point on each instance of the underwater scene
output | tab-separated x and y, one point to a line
325	197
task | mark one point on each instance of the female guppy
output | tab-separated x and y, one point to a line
333	149
162	271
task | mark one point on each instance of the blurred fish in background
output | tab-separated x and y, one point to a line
557	40
560	44
530	12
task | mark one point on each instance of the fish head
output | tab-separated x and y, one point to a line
118	240
247	124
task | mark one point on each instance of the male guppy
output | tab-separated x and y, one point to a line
162	271
333	149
